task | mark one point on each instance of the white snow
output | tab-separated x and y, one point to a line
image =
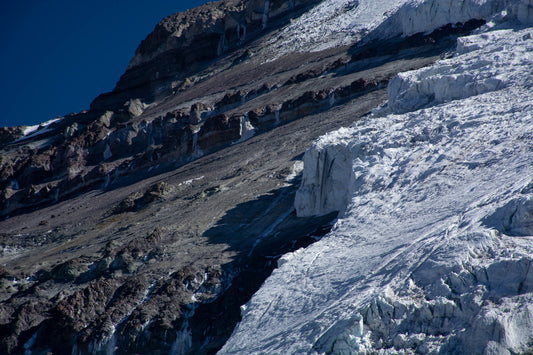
296	170
190	181
246	131
434	245
344	22
466	75
31	131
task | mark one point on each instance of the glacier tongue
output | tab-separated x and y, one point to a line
434	248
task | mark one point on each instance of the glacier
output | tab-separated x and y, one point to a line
334	23
432	251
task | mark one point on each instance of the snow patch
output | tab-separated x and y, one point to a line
36	130
190	181
31	129
246	131
296	170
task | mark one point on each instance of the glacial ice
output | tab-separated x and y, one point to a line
465	75
345	22
433	249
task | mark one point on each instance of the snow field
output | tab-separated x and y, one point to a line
347	22
434	245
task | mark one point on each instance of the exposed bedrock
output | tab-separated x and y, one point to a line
185	42
101	152
97	148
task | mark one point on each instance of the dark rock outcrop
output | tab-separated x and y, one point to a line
10	134
184	43
96	149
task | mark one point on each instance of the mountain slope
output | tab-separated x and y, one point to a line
143	224
432	253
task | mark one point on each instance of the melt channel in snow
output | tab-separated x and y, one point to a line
433	248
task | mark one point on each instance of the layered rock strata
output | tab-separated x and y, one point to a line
93	149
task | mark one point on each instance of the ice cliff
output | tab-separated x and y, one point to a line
344	22
433	248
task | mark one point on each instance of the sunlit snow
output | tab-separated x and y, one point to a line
433	248
345	22
35	130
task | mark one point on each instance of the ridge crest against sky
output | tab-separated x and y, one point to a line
58	55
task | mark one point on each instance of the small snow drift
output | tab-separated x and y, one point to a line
434	190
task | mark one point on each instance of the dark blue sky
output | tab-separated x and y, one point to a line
56	56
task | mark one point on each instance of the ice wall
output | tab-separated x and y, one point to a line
337	165
330	181
346	22
466	75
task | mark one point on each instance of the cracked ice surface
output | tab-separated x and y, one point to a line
345	22
433	250
468	74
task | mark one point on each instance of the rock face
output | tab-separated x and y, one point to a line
127	133
143	224
184	43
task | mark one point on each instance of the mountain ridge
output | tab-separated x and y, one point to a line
143	224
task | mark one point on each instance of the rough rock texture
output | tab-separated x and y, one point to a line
185	42
141	225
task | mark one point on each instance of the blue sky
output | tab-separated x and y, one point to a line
56	56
